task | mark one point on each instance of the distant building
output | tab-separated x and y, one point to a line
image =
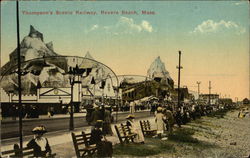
246	101
225	101
136	91
158	83
214	98
185	96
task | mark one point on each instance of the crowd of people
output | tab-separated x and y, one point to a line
100	112
133	106
167	114
100	119
28	111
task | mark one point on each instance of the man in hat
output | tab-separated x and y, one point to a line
134	129
96	114
39	144
153	108
178	117
104	147
169	120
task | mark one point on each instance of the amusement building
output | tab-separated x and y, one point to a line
50	80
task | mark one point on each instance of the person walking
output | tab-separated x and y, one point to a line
13	111
102	110
178	117
169	120
89	109
127	106
24	111
96	115
153	107
159	121
50	111
135	129
132	107
107	121
39	143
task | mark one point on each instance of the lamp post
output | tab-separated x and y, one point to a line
209	96
93	82
19	78
198	83
117	103
71	80
75	75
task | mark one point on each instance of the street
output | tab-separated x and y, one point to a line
9	129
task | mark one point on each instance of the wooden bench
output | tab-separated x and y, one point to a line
18	152
82	145
146	128
124	133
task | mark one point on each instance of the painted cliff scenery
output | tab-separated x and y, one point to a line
125	78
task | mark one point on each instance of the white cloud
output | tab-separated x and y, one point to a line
239	3
92	28
128	26
211	26
146	25
124	25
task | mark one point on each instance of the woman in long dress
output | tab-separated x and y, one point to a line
135	129
159	117
107	121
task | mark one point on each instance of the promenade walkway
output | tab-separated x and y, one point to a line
221	134
61	141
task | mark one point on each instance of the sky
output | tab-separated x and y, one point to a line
213	37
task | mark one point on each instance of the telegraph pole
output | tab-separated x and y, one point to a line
236	100
179	67
209	92
198	83
19	79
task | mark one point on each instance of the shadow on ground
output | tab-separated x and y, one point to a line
180	141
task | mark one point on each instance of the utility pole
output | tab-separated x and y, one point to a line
209	92
19	79
236	100
179	67
198	83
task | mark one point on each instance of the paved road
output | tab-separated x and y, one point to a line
9	129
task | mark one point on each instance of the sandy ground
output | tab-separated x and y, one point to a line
226	136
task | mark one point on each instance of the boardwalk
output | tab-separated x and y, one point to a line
221	135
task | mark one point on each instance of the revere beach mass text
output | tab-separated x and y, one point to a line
79	12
